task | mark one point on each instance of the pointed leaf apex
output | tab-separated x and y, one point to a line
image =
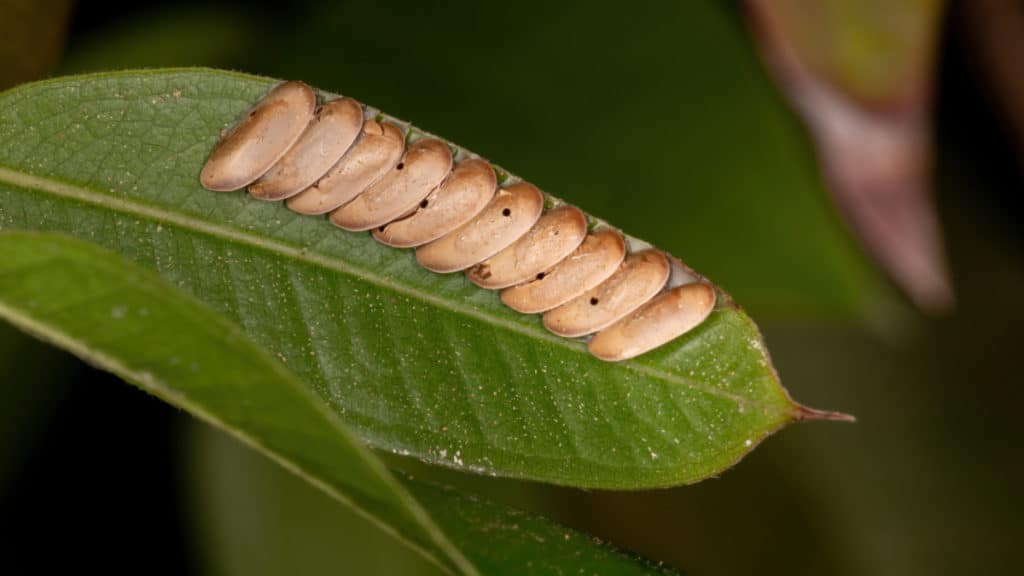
805	414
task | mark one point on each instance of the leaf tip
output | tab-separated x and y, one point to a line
805	414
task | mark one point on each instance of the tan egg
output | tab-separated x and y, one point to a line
331	132
589	265
261	138
462	196
511	213
666	317
555	236
641	276
424	167
375	153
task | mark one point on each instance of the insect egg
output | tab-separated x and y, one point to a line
591	264
641	276
555	236
261	138
378	149
462	196
511	213
331	132
420	171
666	317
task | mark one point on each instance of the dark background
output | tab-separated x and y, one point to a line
659	118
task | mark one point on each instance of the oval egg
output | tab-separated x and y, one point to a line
378	150
641	276
556	235
261	138
510	214
663	319
462	196
424	167
328	136
589	265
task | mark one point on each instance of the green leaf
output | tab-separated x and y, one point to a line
125	319
416	363
299	531
505	540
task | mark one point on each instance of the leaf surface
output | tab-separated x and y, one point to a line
416	363
300	531
125	319
128	321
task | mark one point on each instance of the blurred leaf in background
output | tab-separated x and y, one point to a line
860	74
32	34
212	33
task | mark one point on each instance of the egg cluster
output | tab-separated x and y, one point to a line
338	158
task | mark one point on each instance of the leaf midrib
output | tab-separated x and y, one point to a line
129	207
